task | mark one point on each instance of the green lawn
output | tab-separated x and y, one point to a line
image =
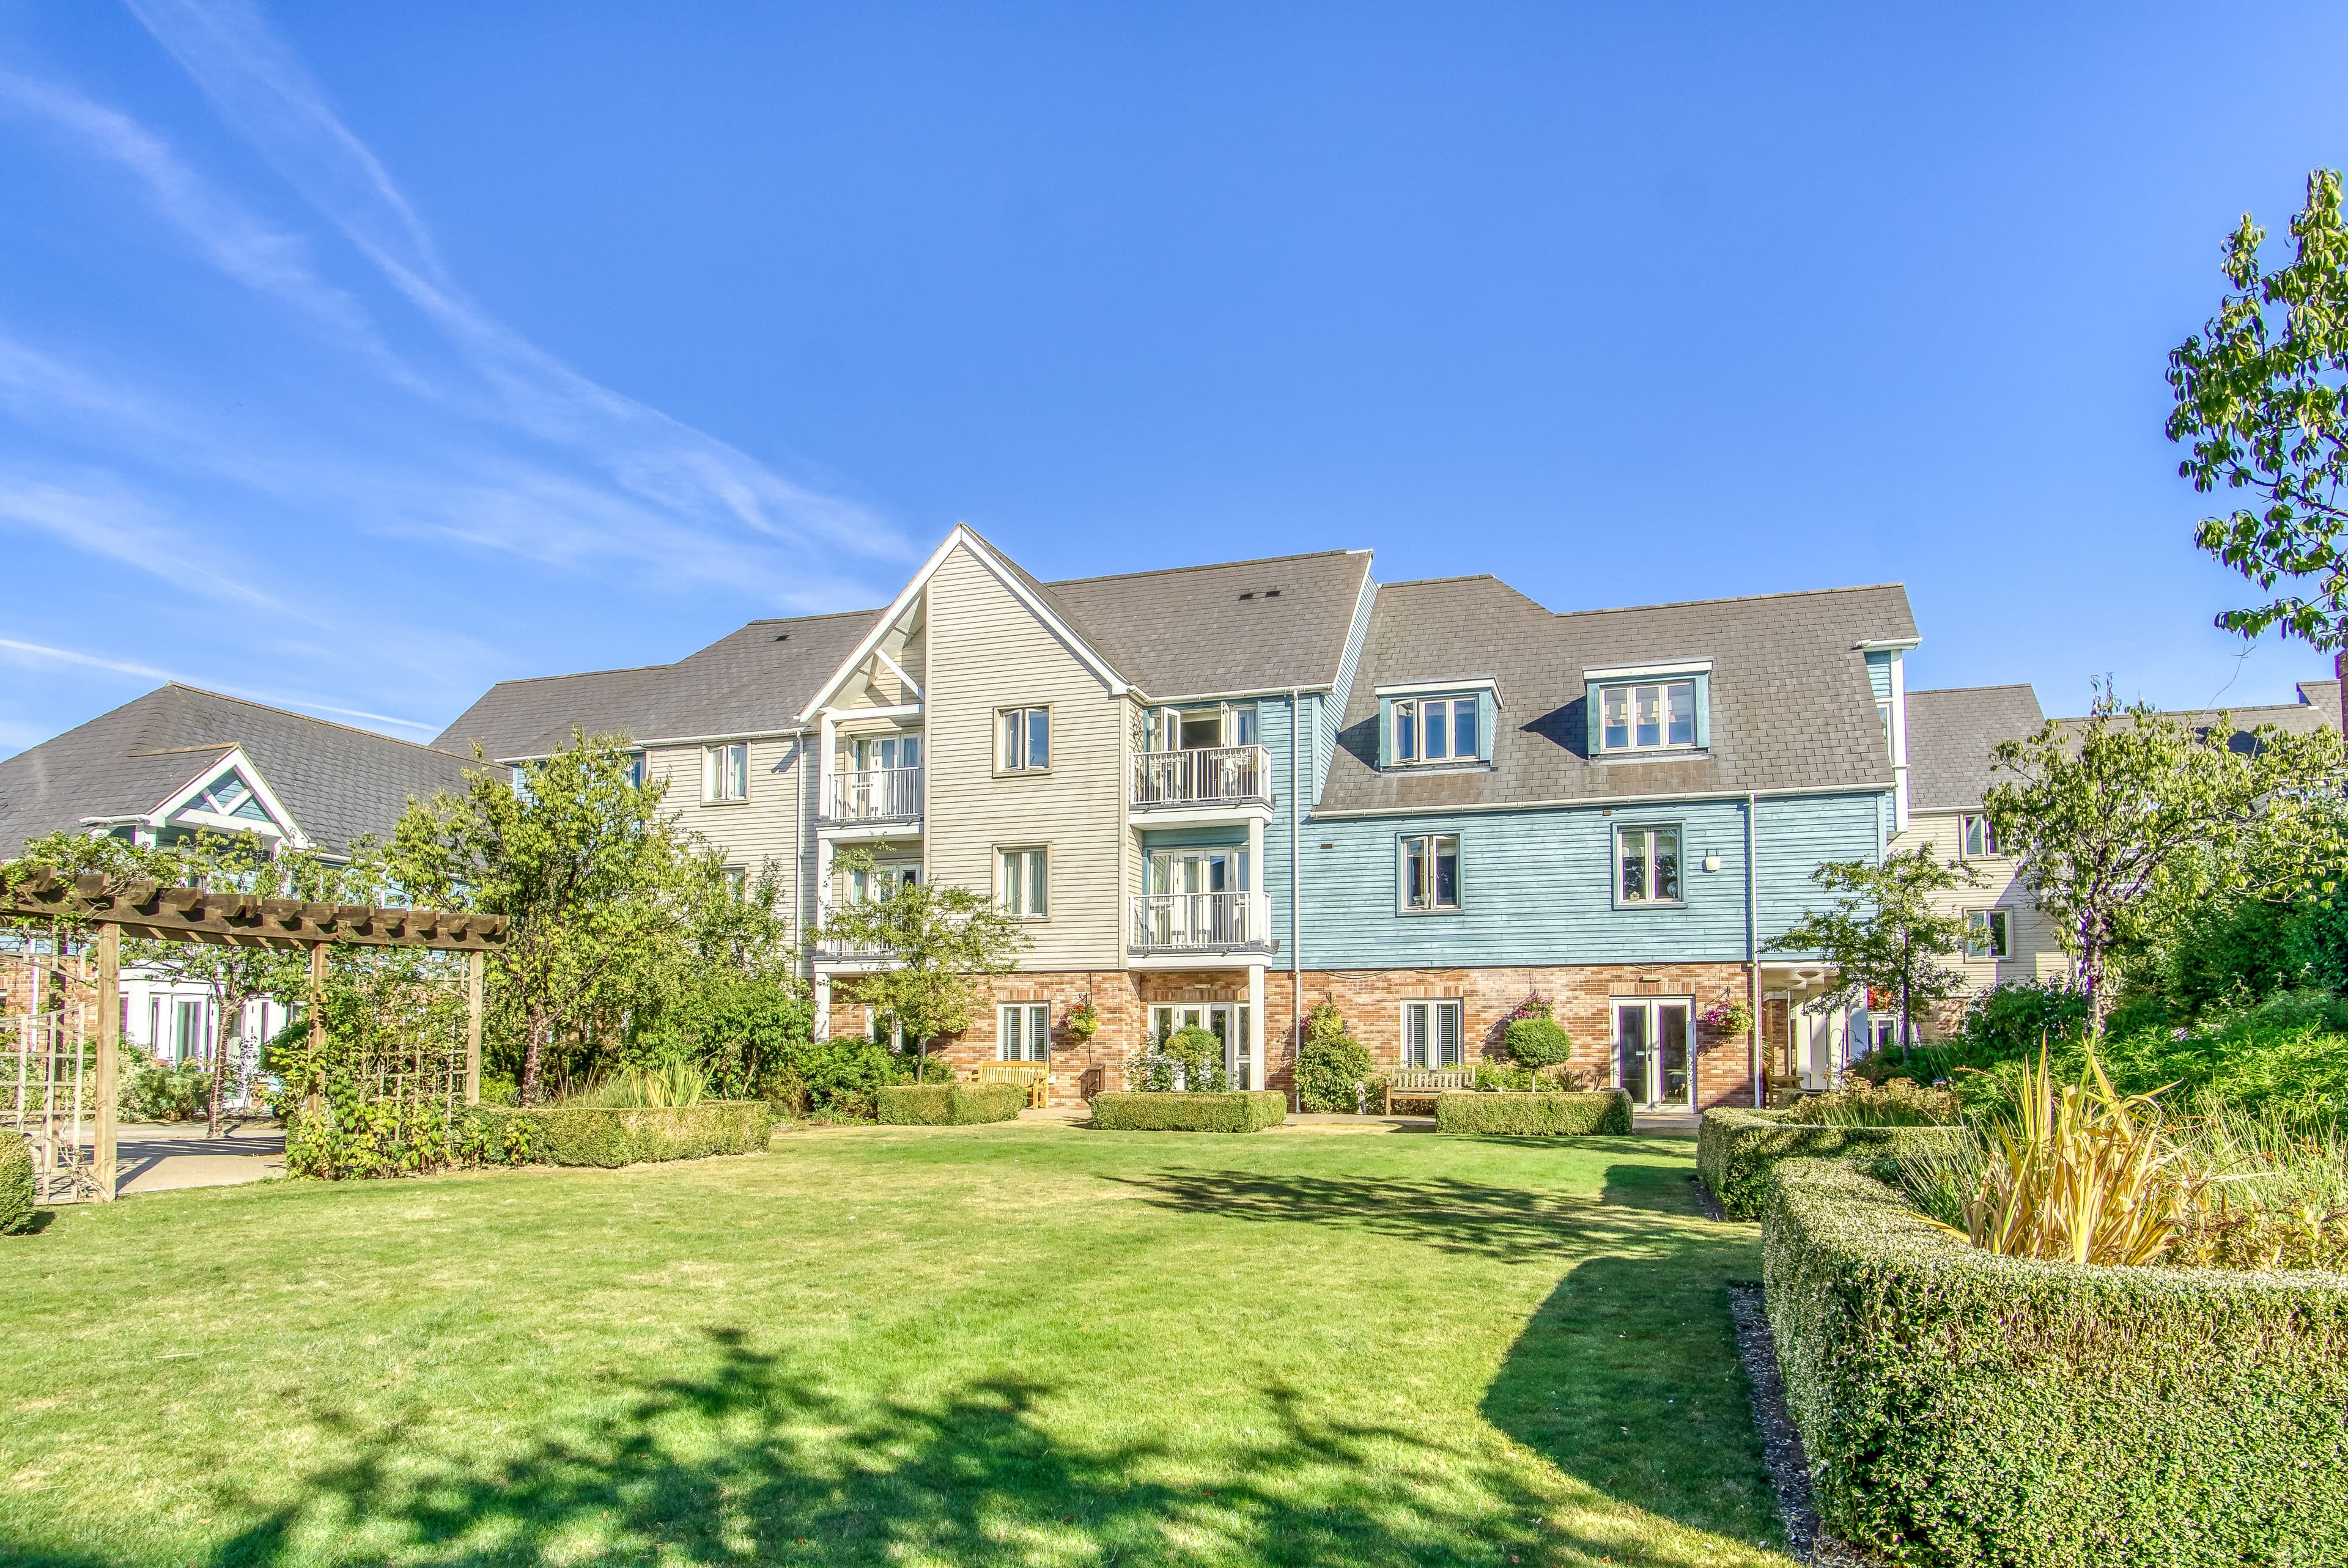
1017	1344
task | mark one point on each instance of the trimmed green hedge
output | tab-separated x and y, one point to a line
1962	1408
1249	1111
947	1105
598	1135
16	1181
1736	1149
1564	1114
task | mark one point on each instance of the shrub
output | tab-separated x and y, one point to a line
947	1105
607	1136
1960	1408
1330	1064
1896	1103
1248	1111
2012	1019
669	1083
1736	1149
1536	1039
1534	1116
16	1181
158	1092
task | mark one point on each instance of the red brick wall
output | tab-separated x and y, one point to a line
1370	1000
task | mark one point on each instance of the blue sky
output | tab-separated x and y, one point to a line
355	357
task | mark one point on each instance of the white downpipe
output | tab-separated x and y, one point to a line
1753	949
1296	893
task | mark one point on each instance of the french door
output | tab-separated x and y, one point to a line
1230	1022
1653	1037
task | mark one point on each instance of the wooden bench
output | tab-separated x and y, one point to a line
1035	1077
1423	1083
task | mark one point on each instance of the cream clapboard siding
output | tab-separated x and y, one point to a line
987	651
2035	953
760	827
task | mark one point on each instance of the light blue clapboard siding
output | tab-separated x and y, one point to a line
1536	886
1878	676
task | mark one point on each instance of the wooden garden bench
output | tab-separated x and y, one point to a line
1423	1083
1035	1077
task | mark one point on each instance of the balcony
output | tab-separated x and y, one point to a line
1210	776
832	950
1203	923
876	796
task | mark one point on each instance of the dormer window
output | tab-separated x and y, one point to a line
1654	709
1435	725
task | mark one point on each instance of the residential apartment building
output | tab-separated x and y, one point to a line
1219	795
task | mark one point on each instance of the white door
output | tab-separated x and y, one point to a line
1231	1022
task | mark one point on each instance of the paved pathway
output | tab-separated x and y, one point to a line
162	1156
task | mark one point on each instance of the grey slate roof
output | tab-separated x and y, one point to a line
751	682
337	782
1791	707
1175	633
2318	708
1950	733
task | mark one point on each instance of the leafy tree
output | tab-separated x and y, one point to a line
596	885
2106	817
944	941
1883	936
2261	396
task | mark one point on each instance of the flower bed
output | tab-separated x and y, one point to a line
1248	1111
1735	1150
947	1105
608	1136
1536	1114
1960	1408
16	1181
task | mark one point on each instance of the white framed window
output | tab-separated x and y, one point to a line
636	769
1976	840
1435	730
1988	934
1883	1033
1647	864
882	1028
1022	881
737	881
1023	1031
1430	871
1023	740
1647	716
882	882
1433	1033
725	772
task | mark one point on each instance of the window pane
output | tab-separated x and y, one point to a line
1037	883
1012	720
1244	727
1667	862
1997	934
1438	736
1405	736
1634	864
1447	871
1463	727
1414	1034
1008	1048
1413	873
1447	1018
1039	738
1646	713
1681	696
1617	710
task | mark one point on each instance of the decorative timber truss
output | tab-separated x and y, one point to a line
141	908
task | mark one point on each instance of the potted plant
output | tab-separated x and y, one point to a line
1082	1022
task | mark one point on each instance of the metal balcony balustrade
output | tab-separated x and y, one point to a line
1210	775
1201	923
873	794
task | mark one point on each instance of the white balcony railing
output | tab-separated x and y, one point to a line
873	794
828	946
1211	775
1201	923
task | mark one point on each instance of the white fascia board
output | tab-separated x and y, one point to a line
1889	644
1464	684
176	803
1640	671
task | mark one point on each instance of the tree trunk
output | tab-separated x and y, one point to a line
533	1053
220	1036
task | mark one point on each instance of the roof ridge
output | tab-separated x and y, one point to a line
1948	691
1199	566
1735	598
305	718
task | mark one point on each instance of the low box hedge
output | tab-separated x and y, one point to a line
1531	1113
1735	1150
607	1136
947	1105
1250	1110
16	1181
1961	1408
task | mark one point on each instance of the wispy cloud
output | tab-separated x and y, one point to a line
19	652
98	517
263	90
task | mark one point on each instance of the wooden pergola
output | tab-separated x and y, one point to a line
142	908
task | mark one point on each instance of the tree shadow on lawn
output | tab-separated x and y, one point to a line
755	1463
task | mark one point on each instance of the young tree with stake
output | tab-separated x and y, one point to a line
1881	936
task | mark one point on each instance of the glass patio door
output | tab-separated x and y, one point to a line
1653	1059
1230	1022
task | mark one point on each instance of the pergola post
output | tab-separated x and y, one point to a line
109	1049
473	1027
317	1017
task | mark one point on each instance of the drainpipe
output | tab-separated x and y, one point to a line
1753	949
1295	895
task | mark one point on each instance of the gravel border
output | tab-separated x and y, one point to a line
1781	1445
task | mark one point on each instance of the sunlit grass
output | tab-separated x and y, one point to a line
1007	1344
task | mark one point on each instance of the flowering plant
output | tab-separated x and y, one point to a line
1082	1022
1534	1005
1730	1017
